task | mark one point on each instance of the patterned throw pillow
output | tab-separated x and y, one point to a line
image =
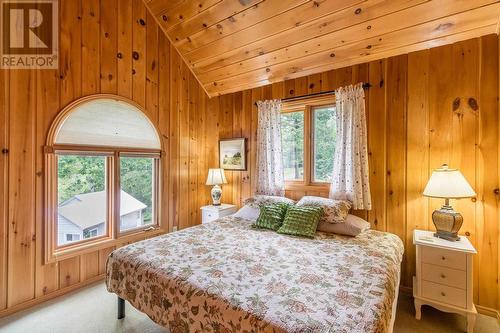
260	200
334	211
271	216
301	221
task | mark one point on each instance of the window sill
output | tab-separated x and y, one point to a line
133	236
318	187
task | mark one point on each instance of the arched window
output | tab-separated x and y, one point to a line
102	175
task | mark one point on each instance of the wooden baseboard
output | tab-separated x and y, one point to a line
54	294
488	311
408	291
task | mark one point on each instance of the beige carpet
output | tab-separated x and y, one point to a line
93	309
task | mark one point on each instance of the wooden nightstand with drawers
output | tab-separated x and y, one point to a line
444	275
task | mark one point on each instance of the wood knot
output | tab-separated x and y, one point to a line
467	233
119	55
142	22
473	104
473	199
5	151
311	86
381	83
106	34
332	55
456	103
135	55
268	70
291	92
496	191
368	27
357	11
164	18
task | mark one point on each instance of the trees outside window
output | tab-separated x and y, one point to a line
102	175
308	134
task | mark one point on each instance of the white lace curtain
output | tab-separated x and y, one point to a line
270	175
350	180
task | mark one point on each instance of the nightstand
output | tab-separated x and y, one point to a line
210	213
444	275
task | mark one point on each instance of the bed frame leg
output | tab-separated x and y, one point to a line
121	308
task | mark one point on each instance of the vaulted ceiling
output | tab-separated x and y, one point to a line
232	45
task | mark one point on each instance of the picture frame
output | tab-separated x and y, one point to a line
232	154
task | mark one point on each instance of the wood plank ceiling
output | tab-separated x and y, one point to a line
233	45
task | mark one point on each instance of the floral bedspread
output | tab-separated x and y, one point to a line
228	277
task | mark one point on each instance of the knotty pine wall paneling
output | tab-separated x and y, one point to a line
106	46
114	46
424	109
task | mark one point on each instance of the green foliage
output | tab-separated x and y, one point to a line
292	138
79	174
136	179
325	135
85	174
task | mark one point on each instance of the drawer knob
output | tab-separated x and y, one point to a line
443	276
443	294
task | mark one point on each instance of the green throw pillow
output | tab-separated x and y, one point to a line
301	221
271	216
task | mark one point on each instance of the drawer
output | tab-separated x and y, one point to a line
443	275
444	294
446	258
209	216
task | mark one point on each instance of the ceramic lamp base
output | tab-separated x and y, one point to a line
447	222
216	194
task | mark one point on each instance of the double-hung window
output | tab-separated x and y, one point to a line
102	175
308	132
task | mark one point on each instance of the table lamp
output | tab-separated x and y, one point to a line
448	184
216	177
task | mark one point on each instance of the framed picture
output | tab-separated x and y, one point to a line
232	154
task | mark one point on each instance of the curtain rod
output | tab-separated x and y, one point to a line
365	86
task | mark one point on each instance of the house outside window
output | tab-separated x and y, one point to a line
102	175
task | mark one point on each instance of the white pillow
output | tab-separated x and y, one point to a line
248	212
352	226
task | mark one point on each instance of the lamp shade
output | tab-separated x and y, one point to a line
448	183
216	177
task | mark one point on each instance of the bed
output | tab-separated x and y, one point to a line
226	276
